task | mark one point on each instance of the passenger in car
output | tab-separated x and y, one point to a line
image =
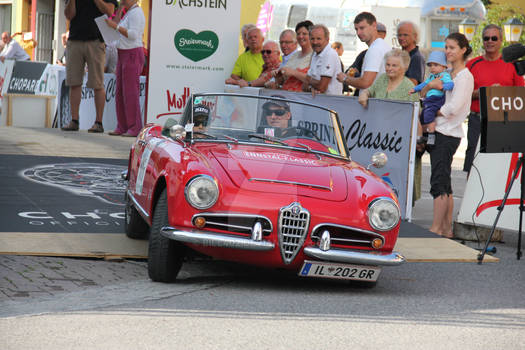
200	119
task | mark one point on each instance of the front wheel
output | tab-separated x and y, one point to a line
164	255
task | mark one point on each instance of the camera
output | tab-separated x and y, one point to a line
513	53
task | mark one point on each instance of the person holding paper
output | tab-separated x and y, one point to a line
129	66
86	46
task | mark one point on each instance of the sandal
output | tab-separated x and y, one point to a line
72	126
97	127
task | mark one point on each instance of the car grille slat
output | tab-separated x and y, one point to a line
293	228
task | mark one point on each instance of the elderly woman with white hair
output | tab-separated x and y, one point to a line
393	84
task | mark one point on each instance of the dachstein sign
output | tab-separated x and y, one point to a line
193	47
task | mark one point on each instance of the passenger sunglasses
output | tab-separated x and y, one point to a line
266	52
277	112
493	38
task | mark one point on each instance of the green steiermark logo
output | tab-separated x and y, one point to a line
196	47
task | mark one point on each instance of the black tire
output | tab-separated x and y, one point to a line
134	224
165	256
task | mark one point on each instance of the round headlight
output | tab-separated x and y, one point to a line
383	214
202	192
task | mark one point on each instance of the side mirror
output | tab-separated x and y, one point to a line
379	160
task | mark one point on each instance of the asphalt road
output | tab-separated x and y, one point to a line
61	303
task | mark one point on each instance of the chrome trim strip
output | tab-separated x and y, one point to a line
347	228
209	239
354	257
137	206
337	239
230	225
234	215
291	183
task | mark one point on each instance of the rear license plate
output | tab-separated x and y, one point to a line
339	271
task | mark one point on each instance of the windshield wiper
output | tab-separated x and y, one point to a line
269	138
231	138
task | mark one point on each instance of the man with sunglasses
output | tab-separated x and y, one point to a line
488	69
272	60
276	118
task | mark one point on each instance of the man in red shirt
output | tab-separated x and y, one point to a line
488	70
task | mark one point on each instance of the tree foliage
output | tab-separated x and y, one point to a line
497	14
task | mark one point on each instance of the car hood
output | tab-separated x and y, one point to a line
284	171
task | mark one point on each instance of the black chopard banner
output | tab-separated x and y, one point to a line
25	77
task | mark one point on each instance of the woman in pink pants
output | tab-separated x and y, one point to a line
129	66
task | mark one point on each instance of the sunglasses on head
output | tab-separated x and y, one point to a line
493	38
266	52
277	112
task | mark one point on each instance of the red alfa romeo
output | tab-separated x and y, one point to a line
263	181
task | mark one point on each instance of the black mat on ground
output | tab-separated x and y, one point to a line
60	194
410	230
84	195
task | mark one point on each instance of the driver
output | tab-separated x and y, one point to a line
200	119
277	116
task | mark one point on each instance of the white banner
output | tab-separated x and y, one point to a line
489	178
87	103
386	126
193	47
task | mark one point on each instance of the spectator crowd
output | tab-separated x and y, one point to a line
449	95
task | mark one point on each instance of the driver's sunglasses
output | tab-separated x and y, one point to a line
199	122
493	38
277	112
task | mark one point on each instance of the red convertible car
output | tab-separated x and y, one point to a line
263	181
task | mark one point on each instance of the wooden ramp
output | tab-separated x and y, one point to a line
102	245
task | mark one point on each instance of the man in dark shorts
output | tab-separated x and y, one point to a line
86	46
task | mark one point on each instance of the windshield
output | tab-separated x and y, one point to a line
269	121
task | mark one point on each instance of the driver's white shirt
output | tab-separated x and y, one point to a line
327	64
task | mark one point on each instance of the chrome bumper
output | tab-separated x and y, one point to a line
353	257
205	238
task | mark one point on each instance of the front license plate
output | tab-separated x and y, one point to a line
340	271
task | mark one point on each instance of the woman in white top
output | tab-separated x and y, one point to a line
292	76
449	131
129	66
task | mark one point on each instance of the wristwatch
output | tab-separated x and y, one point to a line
249	83
117	27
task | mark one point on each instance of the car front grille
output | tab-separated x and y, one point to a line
345	235
293	228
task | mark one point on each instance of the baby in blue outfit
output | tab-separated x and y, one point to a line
434	98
